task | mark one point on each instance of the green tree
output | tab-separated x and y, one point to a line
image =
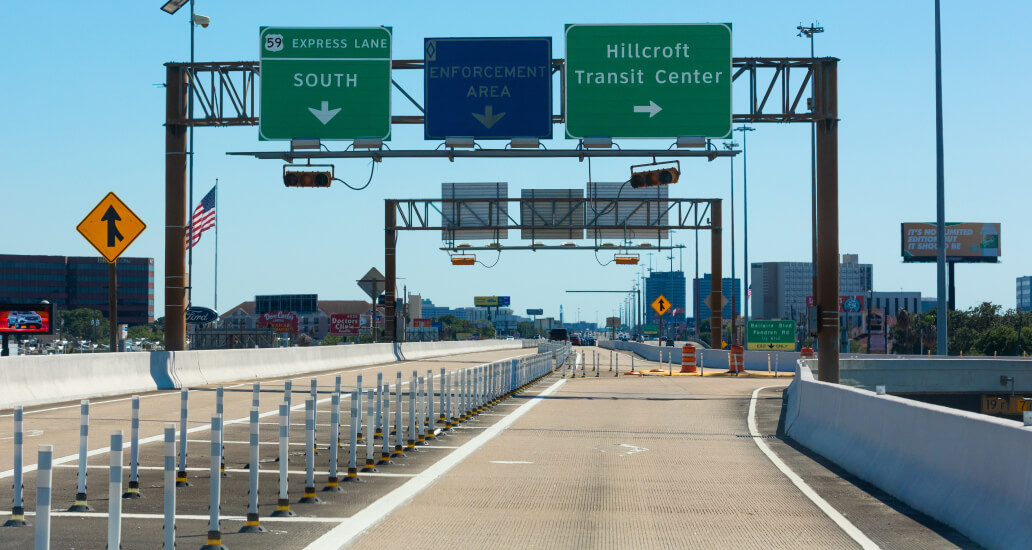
331	340
1001	339
84	324
526	329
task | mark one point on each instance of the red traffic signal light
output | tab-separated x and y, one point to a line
307	176
659	176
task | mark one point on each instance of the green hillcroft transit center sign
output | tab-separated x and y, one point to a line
325	83
648	81
771	335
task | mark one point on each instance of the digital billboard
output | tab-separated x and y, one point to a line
965	242
26	318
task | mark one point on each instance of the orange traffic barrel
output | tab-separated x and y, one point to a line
737	357
806	353
688	358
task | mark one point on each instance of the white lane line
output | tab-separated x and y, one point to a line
297	519
828	509
349	529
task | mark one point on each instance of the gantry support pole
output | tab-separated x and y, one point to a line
826	103
717	275
175	209
390	275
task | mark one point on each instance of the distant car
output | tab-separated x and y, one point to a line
590	341
558	334
509	338
576	340
24	319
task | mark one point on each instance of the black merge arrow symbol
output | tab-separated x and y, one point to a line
111	216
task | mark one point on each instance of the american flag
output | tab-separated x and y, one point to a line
203	218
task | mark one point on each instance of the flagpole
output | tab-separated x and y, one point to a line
216	305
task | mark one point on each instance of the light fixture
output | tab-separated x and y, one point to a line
494	245
597	142
463	245
608	245
525	143
625	259
296	144
368	143
463	259
459	143
202	20
644	244
172	6
570	244
690	141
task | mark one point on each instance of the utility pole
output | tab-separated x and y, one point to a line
808	32
745	210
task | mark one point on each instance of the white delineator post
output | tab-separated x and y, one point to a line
332	483
309	495
134	452
252	523
184	401
169	524
44	478
358	391
17	508
81	504
283	502
114	532
398	450
385	453
353	443
370	442
378	429
215	486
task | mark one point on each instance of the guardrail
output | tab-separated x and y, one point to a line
967	470
40	379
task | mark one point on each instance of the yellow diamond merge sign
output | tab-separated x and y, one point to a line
661	305
111	227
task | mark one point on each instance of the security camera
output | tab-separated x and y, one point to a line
202	20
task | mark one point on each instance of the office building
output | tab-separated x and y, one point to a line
894	302
74	282
780	289
703	286
671	285
1024	293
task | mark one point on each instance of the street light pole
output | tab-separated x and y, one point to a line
940	198
808	32
745	211
732	340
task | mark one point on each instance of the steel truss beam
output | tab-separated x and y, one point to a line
226	92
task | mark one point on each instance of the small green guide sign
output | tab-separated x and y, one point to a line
771	335
325	83
648	81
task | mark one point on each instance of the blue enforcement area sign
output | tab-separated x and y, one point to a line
488	88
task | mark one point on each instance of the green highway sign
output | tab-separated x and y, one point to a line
771	335
325	83
648	81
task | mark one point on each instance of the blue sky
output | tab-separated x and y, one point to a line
83	109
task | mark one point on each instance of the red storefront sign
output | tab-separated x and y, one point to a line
345	324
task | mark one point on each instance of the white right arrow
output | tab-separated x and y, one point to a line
651	108
326	114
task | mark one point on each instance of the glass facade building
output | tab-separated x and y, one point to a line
74	282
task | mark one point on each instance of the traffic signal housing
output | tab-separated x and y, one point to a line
651	175
307	175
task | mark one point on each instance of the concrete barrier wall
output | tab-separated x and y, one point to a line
937	374
967	470
36	380
782	361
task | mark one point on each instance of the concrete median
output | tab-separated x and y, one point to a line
967	470
37	380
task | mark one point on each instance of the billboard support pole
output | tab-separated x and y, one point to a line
390	245
951	301
716	280
113	306
940	201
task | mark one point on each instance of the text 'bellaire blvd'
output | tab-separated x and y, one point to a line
628	50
